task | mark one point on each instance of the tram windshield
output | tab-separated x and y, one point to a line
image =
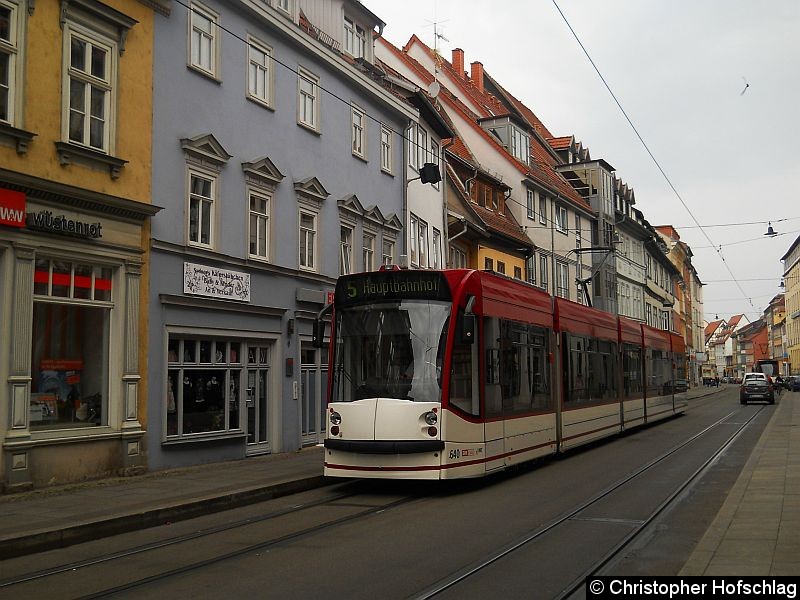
390	350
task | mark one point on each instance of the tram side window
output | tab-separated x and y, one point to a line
524	376
591	365
632	371
464	374
659	372
491	345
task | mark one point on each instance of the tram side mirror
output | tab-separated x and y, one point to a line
318	335
468	328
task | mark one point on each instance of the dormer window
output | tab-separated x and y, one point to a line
520	144
355	39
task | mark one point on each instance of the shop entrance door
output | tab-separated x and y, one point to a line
313	386
257	400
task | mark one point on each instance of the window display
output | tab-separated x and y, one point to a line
70	341
204	378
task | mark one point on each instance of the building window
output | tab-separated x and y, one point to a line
542	209
501	267
308	241
202	197
520	145
345	250
88	86
562	270
259	73
561	219
386	149
387	257
307	99
531	269
488	264
203	39
578	232
9	51
422	147
358	134
204	378
70	355
458	258
368	252
434	158
411	150
517	273
355	39
414	239
259	225
543	271
284	5
437	249
423	243
531	207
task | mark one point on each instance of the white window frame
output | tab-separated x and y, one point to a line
531	209
196	36
435	158
562	286
520	144
561	219
106	84
308	102
387	251
437	249
259	72
413	239
358	131
346	233
263	224
213	179
411	148
306	234
423	244
458	258
368	252
355	38
531	269
543	271
387	151
284	6
422	146
542	208
12	49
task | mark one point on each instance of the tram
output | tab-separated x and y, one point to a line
462	373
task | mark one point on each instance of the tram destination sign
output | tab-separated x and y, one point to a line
391	285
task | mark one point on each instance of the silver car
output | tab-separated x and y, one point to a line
756	386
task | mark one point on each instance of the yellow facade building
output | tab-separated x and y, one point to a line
791	280
75	204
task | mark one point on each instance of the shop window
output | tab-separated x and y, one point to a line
203	386
69	358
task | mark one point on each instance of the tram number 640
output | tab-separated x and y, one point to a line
455	454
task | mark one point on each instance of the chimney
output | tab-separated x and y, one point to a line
458	61
477	75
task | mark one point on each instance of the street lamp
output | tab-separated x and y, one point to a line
770	231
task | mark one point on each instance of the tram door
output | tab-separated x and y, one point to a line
257	400
494	424
313	386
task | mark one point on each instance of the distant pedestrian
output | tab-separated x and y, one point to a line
716	381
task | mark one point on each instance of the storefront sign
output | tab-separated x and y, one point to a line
12	208
202	280
46	221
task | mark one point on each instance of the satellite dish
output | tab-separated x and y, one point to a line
434	89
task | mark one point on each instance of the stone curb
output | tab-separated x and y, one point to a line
40	541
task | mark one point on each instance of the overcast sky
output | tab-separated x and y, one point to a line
678	68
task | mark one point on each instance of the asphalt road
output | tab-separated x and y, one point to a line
398	539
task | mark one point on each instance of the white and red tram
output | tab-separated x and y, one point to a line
461	373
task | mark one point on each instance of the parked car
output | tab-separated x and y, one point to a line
756	386
792	383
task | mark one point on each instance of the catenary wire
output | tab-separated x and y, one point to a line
652	156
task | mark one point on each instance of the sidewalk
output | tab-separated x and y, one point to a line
56	517
756	530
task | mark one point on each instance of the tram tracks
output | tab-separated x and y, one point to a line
103	560
638	526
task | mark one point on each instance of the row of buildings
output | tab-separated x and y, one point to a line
734	345
181	183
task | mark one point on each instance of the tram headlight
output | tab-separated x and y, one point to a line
431	418
335	418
